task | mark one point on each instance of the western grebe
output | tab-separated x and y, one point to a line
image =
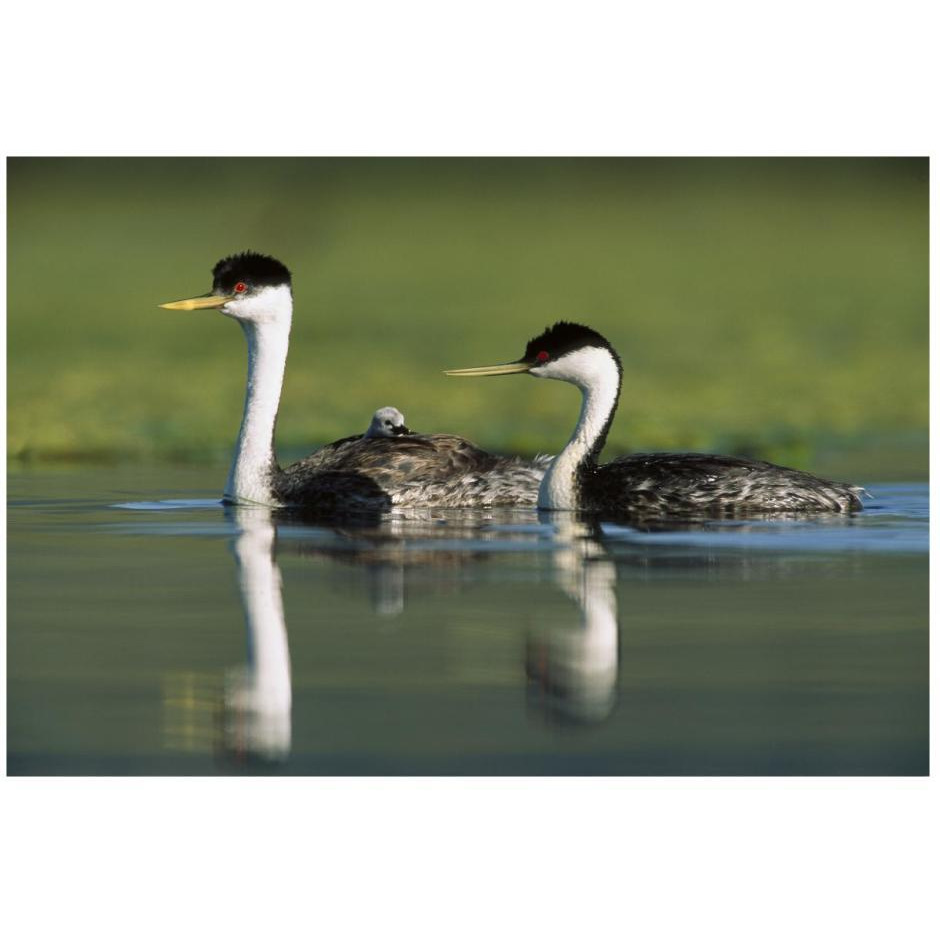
650	484
354	473
387	422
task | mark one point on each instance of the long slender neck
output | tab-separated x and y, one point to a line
597	374
254	465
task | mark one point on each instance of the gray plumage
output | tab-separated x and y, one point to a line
439	470
664	484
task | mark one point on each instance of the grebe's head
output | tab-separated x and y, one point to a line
566	351
249	286
387	422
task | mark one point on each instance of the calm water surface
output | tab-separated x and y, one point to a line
151	631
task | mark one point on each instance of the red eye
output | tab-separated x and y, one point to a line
543	356
241	287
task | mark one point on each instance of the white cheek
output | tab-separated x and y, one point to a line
588	366
270	303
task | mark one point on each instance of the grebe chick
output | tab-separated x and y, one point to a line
370	473
387	422
650	484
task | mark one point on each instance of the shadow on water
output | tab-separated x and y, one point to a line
475	642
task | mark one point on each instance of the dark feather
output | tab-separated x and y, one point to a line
254	269
709	484
564	337
408	470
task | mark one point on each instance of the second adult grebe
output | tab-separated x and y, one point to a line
371	472
650	484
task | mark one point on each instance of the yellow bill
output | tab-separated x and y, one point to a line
203	302
506	369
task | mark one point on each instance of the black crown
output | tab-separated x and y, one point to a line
254	269
564	337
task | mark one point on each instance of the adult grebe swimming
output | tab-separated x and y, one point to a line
372	472
650	484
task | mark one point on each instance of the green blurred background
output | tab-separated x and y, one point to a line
773	307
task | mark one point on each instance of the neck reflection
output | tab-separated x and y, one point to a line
258	697
573	669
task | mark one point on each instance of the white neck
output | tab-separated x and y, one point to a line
249	479
595	372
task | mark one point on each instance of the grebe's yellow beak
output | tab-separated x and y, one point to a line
204	302
508	368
